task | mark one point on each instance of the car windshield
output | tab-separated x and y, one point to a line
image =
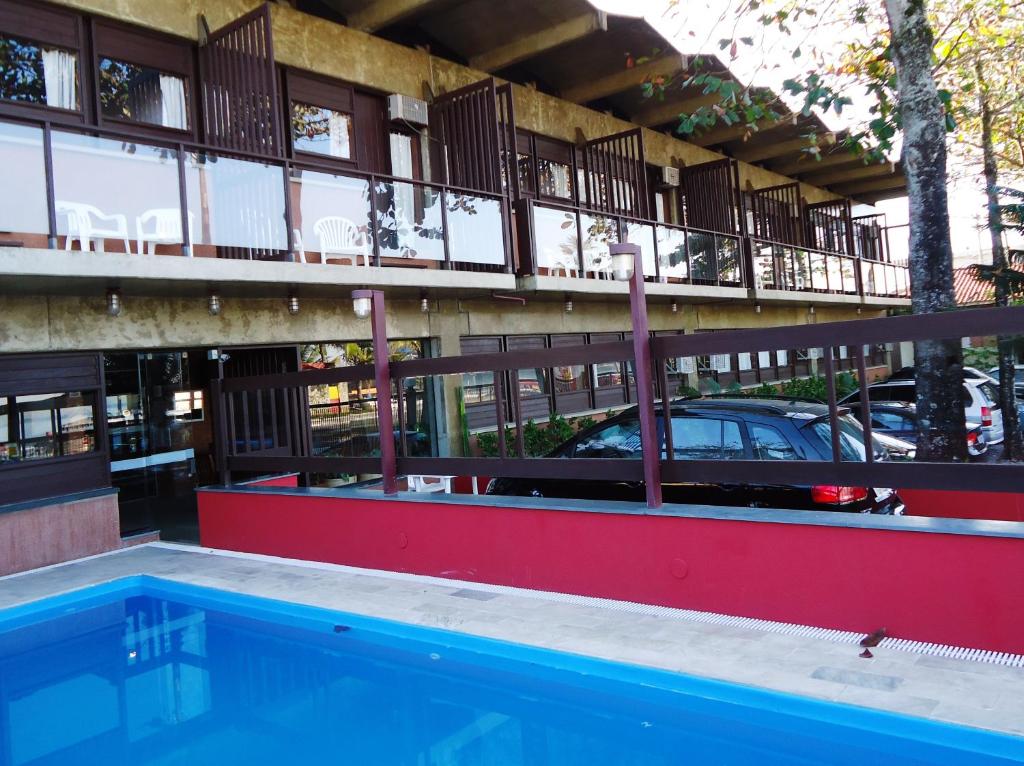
851	439
989	394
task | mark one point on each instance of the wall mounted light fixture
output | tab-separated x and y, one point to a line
114	304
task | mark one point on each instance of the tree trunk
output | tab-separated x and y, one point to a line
940	427
1012	448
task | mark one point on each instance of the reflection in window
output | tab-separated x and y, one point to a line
619	440
142	94
534	382
571	378
36	74
554	179
38	426
768	443
321	130
525	167
706	439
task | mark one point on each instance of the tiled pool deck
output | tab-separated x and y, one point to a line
958	691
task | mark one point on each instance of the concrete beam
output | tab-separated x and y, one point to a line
841	175
591	89
381	13
855	188
539	42
660	112
807	164
723	134
780	148
871	199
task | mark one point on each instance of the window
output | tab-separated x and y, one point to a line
38	74
143	94
533	382
768	443
571	378
554	179
619	440
39	426
697	438
891	421
321	130
851	438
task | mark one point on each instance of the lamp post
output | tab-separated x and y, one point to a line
627	263
370	303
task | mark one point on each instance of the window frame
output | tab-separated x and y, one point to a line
303	87
48	26
165	53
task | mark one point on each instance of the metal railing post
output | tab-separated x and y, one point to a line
642	370
382	380
51	203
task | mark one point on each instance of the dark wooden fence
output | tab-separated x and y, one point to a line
512	460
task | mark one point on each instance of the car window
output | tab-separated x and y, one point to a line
697	438
891	421
989	394
618	440
851	438
768	443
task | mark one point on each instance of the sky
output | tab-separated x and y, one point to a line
695	26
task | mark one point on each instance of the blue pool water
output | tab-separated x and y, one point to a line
142	671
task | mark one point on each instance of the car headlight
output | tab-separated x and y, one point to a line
490	487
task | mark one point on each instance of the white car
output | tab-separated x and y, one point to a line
981	402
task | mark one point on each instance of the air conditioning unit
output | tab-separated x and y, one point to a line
669	176
407	109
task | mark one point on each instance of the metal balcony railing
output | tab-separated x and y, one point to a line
103	191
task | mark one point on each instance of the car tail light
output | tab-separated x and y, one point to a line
829	494
986	417
972	439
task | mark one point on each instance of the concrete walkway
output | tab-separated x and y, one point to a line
958	691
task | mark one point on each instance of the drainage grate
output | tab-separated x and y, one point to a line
652	610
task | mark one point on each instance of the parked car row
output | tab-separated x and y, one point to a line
727	429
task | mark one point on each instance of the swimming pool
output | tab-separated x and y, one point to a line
148	671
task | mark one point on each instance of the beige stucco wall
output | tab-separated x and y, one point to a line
307	42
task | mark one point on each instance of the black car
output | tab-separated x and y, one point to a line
723	429
899	419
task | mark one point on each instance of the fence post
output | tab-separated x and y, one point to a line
382	379
220	431
644	381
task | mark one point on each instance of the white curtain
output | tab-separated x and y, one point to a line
173	107
339	132
401	167
59	76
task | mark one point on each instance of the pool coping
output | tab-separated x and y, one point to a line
597	631
925	524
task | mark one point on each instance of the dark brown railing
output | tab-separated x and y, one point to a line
512	460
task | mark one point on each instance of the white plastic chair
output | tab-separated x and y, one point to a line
87	223
164	228
341	238
430	484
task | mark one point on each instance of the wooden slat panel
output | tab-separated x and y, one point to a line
709	194
240	86
616	174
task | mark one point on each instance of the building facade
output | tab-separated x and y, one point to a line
193	189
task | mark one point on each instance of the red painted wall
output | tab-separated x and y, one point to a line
960	590
1000	506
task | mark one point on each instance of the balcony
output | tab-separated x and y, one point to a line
95	192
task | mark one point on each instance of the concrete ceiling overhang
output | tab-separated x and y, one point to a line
571	49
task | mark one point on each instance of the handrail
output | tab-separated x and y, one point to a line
630	219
